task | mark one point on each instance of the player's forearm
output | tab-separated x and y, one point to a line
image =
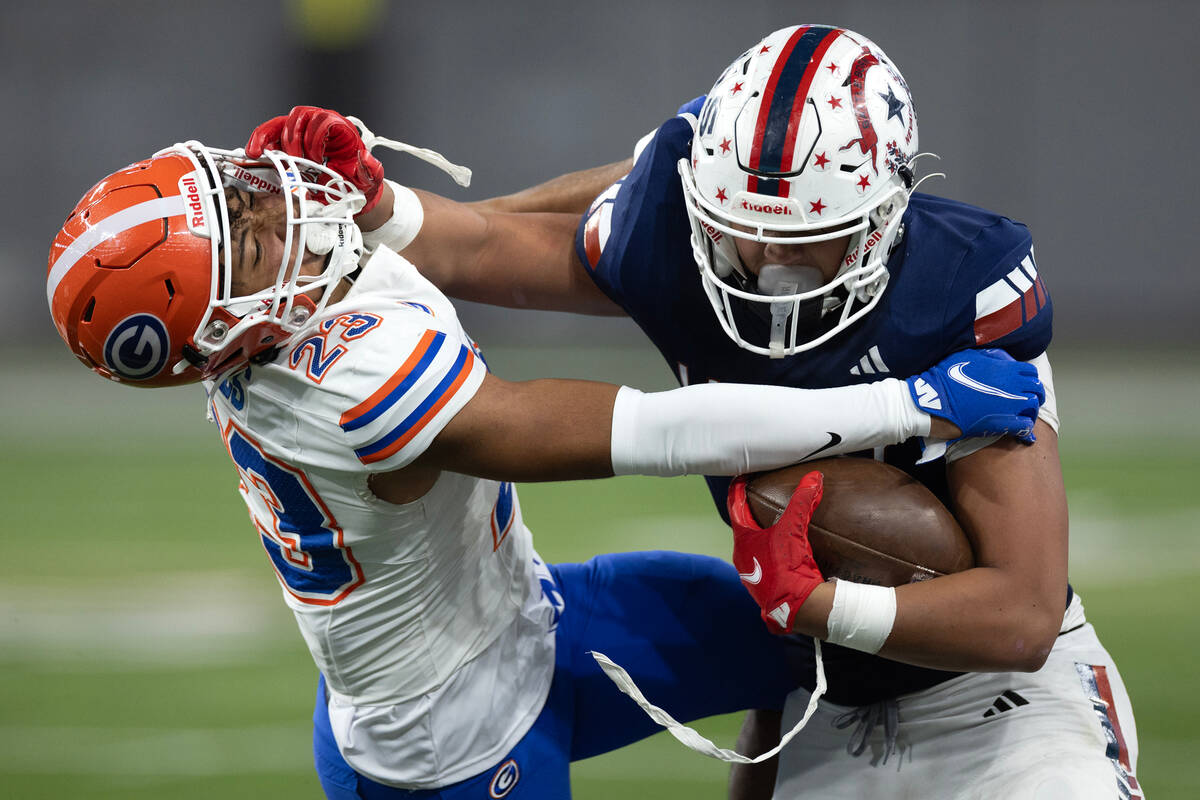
729	429
979	620
512	260
1003	615
547	430
571	193
528	261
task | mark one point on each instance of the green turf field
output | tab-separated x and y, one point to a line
145	652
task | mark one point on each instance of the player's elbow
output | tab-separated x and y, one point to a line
1032	640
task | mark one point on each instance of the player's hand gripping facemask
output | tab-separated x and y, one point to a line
140	279
344	145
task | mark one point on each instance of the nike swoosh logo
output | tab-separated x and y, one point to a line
834	441
957	375
752	577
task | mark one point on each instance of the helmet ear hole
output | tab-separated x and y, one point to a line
88	310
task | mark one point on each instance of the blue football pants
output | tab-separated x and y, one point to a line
683	627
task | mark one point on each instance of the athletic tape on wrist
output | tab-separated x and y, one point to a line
408	215
862	616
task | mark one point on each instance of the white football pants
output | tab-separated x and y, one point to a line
1061	733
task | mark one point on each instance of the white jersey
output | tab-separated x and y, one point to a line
427	619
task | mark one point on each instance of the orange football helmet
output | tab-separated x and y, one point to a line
140	287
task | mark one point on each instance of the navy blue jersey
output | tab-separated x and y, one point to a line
960	277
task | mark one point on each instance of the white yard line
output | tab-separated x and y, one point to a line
170	619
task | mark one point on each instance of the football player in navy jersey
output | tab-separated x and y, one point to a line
771	232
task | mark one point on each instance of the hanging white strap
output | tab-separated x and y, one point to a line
692	738
461	175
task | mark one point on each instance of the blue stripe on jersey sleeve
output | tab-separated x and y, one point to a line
419	412
401	389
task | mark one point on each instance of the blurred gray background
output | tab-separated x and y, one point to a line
1072	116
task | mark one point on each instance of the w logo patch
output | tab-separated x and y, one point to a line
927	396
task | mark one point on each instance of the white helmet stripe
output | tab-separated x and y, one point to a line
107	228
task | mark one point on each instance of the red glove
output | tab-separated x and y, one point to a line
325	137
776	564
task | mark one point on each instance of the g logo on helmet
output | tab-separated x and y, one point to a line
138	347
505	778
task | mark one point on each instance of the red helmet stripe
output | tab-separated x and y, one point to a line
106	229
783	103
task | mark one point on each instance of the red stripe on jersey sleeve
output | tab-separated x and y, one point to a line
1001	323
591	238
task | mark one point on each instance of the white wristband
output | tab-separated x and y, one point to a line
402	226
862	616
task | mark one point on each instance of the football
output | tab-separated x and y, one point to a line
875	524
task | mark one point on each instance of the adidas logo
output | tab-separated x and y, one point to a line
1005	702
870	364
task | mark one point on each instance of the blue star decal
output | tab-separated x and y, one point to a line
895	104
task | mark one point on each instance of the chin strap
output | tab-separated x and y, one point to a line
692	738
461	175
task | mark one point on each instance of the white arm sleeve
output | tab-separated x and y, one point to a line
728	428
403	226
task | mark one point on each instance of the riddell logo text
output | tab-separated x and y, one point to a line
872	240
254	182
712	232
763	208
193	202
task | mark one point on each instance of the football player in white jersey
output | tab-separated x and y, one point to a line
375	451
799	163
